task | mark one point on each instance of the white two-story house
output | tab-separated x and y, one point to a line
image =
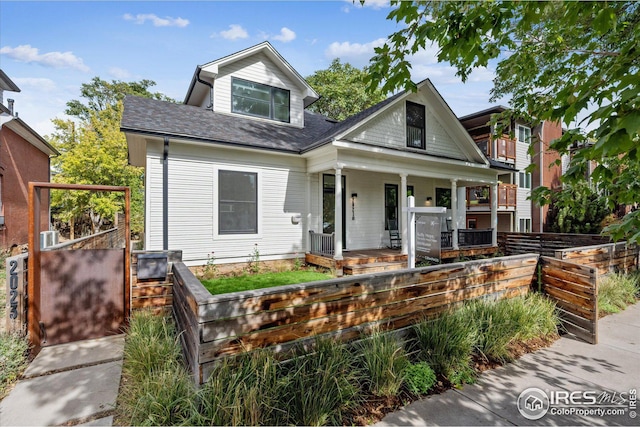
242	165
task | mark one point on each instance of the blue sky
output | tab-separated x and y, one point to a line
50	48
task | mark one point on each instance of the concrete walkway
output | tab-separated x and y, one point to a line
570	365
68	384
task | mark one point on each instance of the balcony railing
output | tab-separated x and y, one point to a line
321	243
467	237
481	196
505	146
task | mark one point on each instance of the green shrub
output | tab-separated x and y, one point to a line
14	350
242	391
419	377
446	343
320	385
616	291
383	360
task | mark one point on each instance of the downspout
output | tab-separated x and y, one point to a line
165	195
210	106
541	220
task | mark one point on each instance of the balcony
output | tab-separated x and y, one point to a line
505	147
481	196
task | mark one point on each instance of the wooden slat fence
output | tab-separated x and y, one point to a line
545	243
574	288
157	294
285	316
608	258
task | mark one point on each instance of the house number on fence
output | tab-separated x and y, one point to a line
13	289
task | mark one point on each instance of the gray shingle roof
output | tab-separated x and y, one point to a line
164	118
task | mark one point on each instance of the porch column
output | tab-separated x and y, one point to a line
494	214
307	219
401	217
337	249
454	213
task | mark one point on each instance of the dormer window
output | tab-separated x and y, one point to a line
259	100
415	125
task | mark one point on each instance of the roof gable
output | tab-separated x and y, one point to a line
212	69
383	124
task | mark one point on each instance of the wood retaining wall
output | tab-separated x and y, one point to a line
156	294
285	316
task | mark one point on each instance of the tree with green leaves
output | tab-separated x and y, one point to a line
94	151
343	91
573	62
577	209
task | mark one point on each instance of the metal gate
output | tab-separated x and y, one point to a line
75	294
81	295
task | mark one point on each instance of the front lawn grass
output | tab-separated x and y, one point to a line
223	285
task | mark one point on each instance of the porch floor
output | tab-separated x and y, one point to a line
361	259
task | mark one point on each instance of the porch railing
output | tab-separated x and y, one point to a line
467	237
475	237
446	239
322	243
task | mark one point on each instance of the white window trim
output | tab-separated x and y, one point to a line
216	205
518	134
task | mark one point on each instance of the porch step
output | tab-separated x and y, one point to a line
373	267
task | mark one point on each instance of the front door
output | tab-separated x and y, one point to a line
329	206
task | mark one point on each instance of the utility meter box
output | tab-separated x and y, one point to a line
152	266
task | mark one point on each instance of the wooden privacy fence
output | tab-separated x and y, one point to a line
574	289
571	279
285	316
608	258
545	243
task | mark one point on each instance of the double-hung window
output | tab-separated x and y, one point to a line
524	134
237	202
256	99
415	125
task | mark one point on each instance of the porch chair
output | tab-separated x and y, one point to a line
395	240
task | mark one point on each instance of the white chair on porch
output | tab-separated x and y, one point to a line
395	240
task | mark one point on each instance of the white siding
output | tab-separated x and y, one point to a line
522	161
388	130
259	69
192	208
365	222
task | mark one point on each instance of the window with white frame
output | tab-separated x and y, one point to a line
524	180
256	99
237	202
524	134
525	225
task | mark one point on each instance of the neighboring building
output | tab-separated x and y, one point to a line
242	163
24	157
516	212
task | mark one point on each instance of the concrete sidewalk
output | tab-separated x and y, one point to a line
570	365
68	383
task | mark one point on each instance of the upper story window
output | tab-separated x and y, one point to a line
255	99
524	134
415	125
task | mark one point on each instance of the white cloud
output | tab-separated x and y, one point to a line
119	73
41	84
357	54
285	36
234	32
167	21
26	53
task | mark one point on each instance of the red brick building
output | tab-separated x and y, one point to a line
24	157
